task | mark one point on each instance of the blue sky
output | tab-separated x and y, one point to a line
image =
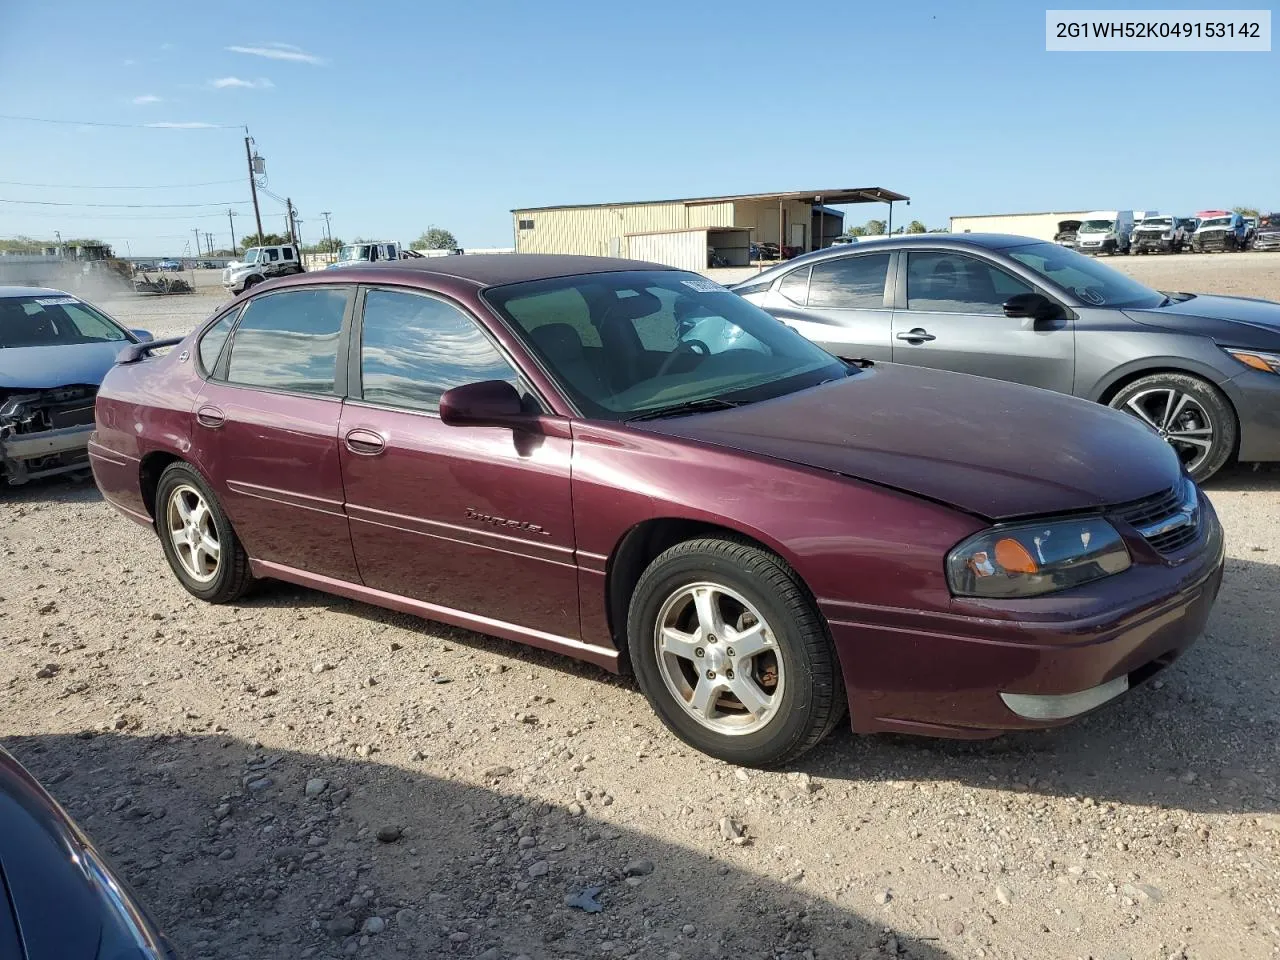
399	115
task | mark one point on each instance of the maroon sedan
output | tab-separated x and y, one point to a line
629	464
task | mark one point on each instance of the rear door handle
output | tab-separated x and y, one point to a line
364	443
210	416
918	335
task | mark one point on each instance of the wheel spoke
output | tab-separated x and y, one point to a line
200	515
1137	409
706	602
747	643
679	643
210	547
1192	432
755	700
1172	415
184	511
705	696
1169	397
1193	441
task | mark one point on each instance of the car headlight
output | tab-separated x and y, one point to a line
1030	559
1266	362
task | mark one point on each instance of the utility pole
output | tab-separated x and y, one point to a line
253	186
289	213
196	231
231	213
328	234
208	242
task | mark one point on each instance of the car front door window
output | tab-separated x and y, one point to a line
414	347
946	282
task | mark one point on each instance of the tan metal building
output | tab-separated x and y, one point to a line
681	232
1041	226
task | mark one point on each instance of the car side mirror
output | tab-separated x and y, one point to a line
144	335
490	403
1034	305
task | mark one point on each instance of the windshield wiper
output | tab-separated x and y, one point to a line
689	406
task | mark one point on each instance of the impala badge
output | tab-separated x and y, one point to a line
489	518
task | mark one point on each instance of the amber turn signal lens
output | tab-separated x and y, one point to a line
1014	557
1253	360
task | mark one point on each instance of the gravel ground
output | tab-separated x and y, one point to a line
302	776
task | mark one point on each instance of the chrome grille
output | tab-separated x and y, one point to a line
1169	520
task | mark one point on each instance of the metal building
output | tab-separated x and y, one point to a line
1041	226
683	232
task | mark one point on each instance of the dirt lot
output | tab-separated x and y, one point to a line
302	776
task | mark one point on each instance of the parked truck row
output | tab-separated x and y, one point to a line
1149	231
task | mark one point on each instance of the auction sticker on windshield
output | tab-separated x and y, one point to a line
704	286
56	301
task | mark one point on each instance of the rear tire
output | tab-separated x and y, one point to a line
202	549
1192	414
761	709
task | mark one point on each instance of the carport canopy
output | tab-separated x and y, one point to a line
843	195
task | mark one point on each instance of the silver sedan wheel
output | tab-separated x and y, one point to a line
719	658
1177	417
191	530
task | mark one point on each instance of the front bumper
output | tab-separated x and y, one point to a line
1256	398
1152	243
18	449
949	675
1098	246
1270	241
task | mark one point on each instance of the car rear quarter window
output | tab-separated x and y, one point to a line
953	283
849	282
795	286
289	341
414	347
212	340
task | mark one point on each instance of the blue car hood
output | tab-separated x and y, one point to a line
45	367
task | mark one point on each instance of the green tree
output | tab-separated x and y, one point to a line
855	231
324	246
436	238
1247	211
874	228
915	226
256	240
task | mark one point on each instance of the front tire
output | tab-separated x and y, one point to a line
203	551
729	649
1191	414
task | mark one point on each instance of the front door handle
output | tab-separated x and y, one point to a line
364	443
210	416
918	335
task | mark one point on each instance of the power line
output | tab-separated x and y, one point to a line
130	126
127	206
145	186
73	217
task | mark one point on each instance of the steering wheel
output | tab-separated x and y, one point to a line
696	347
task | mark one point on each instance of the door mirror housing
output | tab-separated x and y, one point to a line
144	336
1034	305
489	403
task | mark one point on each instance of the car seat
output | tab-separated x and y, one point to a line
561	344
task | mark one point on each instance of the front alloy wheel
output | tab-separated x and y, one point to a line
730	651
1191	414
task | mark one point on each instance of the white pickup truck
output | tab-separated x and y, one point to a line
259	264
354	254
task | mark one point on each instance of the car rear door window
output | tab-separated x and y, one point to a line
953	283
795	286
849	282
289	341
414	347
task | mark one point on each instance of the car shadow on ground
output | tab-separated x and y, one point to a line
223	841
1259	477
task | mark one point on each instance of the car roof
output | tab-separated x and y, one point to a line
495	269
7	292
986	241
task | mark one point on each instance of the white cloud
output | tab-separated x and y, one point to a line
148	98
281	51
130	63
225	83
190	125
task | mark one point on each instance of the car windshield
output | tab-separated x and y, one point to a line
1092	282
251	256
53	321
1217	222
1271	220
632	343
1158	222
355	251
1097	226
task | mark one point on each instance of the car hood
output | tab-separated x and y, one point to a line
1231	321
44	367
990	448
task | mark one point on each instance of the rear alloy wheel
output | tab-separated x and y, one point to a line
730	652
203	551
1190	413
